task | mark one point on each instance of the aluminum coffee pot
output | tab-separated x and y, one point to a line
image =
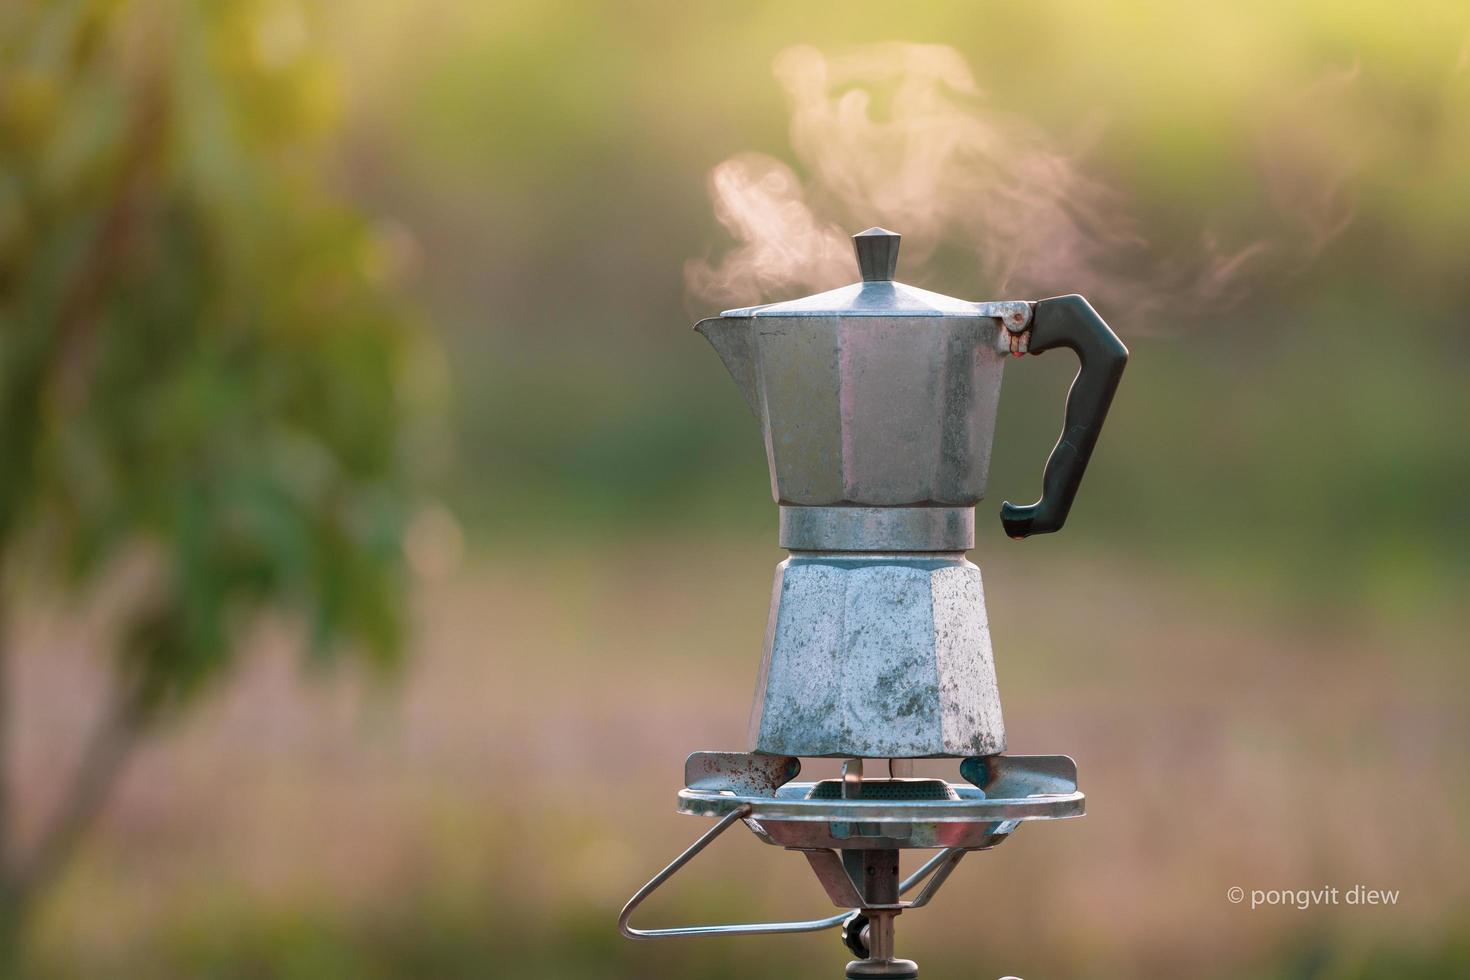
877	402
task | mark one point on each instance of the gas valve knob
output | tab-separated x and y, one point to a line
855	935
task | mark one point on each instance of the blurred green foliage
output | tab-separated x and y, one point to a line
201	358
202	370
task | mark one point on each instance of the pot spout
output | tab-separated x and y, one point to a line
731	338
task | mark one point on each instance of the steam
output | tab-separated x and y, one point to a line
782	244
900	135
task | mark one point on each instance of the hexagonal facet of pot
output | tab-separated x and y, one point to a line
877	657
880	411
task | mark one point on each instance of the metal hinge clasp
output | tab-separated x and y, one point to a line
1015	317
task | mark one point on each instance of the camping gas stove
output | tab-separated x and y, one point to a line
852	829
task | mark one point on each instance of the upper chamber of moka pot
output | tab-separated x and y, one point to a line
877	402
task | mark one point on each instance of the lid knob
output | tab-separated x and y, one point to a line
877	253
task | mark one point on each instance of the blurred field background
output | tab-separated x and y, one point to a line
1252	633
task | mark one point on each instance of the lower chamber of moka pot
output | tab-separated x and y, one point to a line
852	830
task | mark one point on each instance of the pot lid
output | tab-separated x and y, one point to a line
876	295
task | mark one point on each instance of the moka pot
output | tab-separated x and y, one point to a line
877	402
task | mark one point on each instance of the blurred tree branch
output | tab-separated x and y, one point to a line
105	753
103	261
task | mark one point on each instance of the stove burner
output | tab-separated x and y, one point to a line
851	831
888	790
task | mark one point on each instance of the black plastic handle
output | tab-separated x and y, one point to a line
1070	321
